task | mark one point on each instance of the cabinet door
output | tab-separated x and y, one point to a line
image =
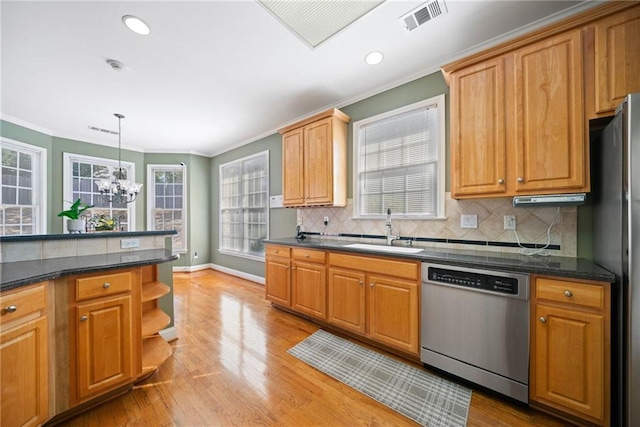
318	163
478	123
346	300
393	312
24	374
617	73
104	345
309	289
569	360
278	284
550	144
293	168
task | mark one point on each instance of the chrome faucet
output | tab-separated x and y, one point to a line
390	237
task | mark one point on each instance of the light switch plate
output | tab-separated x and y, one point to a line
129	243
468	221
509	222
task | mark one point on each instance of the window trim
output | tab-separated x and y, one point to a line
439	101
267	208
67	186
41	177
151	192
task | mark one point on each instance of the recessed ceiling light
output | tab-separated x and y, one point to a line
136	25
374	58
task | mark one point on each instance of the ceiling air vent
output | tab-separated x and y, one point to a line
97	129
423	14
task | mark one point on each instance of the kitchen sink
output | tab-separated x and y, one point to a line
382	248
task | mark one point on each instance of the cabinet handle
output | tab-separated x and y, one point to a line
520	179
11	309
371	285
501	181
83	318
361	282
306	256
276	251
106	285
293	268
568	293
543	319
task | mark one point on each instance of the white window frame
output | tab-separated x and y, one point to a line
220	195
439	103
38	178
67	181
151	200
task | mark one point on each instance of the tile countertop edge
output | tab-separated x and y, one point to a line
575	268
24	273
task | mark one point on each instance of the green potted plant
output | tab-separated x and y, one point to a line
75	224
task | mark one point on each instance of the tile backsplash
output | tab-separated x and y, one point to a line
531	225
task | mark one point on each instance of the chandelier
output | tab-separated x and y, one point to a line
119	190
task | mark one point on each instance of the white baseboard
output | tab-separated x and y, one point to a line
231	271
169	334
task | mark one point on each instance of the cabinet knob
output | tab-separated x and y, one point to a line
106	285
361	282
276	251
293	268
83	318
520	179
568	293
501	181
543	319
306	256
10	309
371	285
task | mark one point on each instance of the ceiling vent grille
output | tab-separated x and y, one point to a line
423	14
97	129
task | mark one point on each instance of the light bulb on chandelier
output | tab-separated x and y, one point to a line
119	189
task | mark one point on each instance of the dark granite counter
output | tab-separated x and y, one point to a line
92	235
21	273
577	268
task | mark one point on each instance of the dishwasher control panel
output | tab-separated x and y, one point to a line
480	281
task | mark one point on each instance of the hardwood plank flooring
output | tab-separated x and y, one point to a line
230	367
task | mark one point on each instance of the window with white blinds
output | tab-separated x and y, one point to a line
166	202
244	205
399	162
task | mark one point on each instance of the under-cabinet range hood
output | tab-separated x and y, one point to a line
550	200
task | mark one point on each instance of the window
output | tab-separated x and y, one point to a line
166	202
399	162
80	176
23	189
244	207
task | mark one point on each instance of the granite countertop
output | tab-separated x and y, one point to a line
577	268
21	273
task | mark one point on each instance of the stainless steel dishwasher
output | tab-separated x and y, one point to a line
475	325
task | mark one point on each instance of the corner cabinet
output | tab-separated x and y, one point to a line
570	347
24	353
314	161
517	121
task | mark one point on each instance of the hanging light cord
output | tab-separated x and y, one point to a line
543	250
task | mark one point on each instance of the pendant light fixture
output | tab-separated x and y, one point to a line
119	190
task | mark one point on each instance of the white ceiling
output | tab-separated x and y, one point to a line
214	75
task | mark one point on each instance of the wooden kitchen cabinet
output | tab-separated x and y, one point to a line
104	326
615	60
517	121
24	352
346	299
570	347
314	161
309	282
278	274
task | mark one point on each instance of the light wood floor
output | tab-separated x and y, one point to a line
230	368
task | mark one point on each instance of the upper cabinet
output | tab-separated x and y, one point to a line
519	110
314	161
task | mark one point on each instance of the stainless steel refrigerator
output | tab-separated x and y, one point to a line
616	232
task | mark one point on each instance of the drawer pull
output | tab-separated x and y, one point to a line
276	251
106	285
11	309
83	318
543	319
568	294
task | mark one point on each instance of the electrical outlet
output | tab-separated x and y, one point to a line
300	221
509	222
326	220
468	221
195	255
129	243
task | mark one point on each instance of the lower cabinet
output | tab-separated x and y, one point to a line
309	282
278	274
347	300
24	352
570	347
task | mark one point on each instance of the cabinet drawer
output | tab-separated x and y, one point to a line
108	284
583	294
21	302
390	267
281	251
309	255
